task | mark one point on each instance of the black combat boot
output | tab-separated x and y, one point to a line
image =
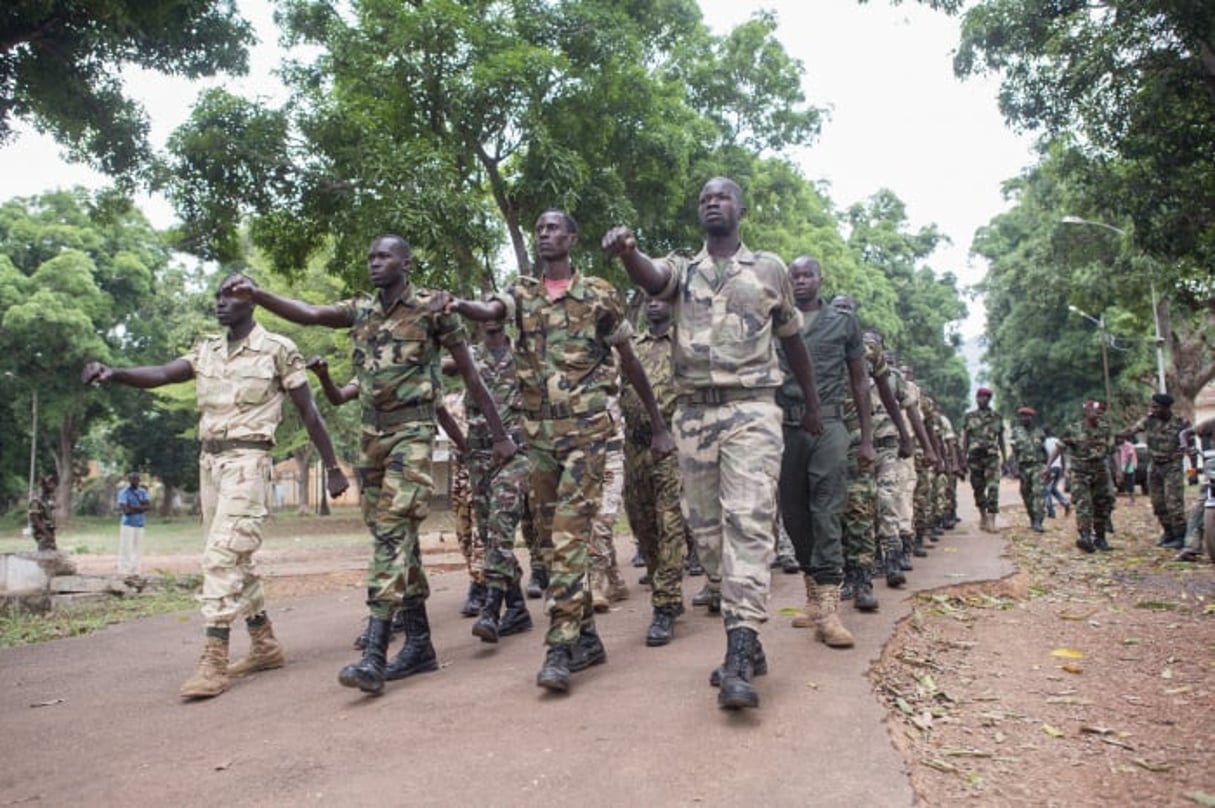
555	673
848	587
917	544
691	564
865	600
736	689
368	673
417	655
1085	542
1035	525
907	543
936	531
472	604
396	628
537	582
486	626
662	627
894	568
588	650
759	665
1172	538
517	619
1100	543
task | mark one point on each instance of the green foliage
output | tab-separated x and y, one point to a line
61	63
23	628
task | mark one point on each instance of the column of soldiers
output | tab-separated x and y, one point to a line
765	389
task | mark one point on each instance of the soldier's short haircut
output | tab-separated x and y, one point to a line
571	224
729	183
401	240
234	276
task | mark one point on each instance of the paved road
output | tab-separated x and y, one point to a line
642	730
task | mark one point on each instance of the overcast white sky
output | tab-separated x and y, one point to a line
899	119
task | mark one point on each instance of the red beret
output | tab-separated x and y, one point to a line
1026	411
983	391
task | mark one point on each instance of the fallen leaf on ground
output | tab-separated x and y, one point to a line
1151	766
1067	653
50	703
1054	732
1072	667
1202	798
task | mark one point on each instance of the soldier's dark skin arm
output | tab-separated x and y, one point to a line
858	384
448	422
661	442
301	397
337	396
886	396
504	447
297	311
921	435
145	377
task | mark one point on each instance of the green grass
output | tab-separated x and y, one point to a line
24	628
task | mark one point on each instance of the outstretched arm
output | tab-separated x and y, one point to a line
301	397
337	396
297	311
661	442
651	277
179	370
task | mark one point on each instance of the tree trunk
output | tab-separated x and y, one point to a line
303	465
1191	366
166	501
509	213
63	469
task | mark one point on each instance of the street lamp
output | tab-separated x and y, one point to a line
1105	353
1160	383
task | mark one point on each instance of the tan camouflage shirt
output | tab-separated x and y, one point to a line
240	390
726	321
564	354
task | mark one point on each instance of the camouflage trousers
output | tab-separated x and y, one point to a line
859	517
395	484
499	497
814	486
568	456
603	530
1166	486
234	487
1033	489
984	468
904	495
471	545
923	503
729	458
652	492
531	534
887	472
1195	528
1092	497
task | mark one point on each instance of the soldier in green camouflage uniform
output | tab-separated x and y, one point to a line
1029	448
242	377
925	506
1162	431
460	494
924	457
949	468
983	443
398	334
1089	443
652	488
603	569
499	489
41	514
729	303
570	328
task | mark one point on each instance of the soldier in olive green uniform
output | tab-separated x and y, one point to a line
570	327
729	303
397	334
242	377
1089	443
1028	445
652	487
1162	432
983	443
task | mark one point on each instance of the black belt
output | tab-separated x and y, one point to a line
829	412
217	446
724	395
484	443
385	421
547	412
888	442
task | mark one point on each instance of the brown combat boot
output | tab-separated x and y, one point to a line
617	589
211	678
265	652
828	629
808	616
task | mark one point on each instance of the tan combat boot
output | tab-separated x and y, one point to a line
211	678
808	617
828	629
617	589
598	584
265	652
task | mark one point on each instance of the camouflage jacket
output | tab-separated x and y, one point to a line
501	378
879	373
1089	447
983	431
396	352
1028	446
654	353
240	388
566	365
1163	438
725	320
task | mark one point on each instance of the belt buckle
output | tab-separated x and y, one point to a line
713	395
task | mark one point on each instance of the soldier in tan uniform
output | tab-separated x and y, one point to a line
242	378
731	305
